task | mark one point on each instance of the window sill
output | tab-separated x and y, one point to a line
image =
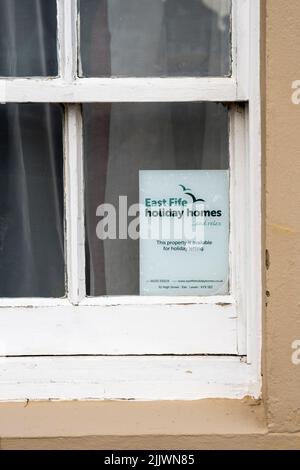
131	418
205	424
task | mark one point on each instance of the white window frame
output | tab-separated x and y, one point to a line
144	347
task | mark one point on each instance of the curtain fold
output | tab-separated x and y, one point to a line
146	38
28	32
140	136
155	38
31	162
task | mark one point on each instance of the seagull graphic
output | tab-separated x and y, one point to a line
190	194
184	188
194	199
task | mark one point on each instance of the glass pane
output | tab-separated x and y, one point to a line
121	143
28	45
31	201
155	38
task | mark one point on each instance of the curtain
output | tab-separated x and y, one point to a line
155	38
31	159
28	34
120	140
146	38
118	37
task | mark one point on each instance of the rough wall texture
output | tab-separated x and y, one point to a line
282	214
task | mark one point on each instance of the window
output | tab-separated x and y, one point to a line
147	101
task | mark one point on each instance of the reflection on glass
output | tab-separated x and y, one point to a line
31	201
155	37
28	38
119	141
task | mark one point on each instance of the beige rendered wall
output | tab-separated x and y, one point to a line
217	424
282	164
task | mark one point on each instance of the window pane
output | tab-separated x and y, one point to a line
31	201
120	140
28	45
155	38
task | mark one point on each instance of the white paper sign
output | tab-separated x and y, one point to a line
184	232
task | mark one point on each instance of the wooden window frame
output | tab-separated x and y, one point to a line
144	347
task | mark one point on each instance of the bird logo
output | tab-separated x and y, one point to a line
194	199
184	188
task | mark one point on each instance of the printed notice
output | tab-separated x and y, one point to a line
184	232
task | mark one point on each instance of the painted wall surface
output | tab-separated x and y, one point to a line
217	424
282	176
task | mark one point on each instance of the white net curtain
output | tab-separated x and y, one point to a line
117	37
